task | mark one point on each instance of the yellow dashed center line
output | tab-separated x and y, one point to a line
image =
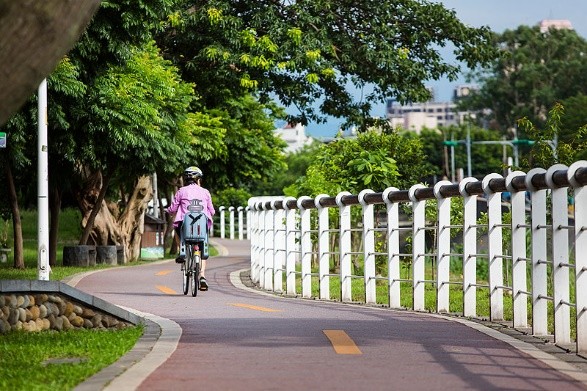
164	272
254	307
341	342
165	289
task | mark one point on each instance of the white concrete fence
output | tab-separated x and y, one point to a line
538	261
239	224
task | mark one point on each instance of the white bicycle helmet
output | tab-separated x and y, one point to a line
191	174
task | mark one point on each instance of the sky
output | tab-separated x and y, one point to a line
499	15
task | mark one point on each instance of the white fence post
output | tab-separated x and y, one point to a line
580	213
393	257
305	247
269	245
442	249
539	256
248	224
560	257
231	220
495	248
368	248
222	222
278	246
344	247
418	249
290	247
520	259
323	248
240	222
254	240
469	249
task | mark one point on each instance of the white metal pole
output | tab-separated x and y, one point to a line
539	256
393	258
43	186
231	221
368	248
443	249
519	256
344	247
418	248
580	237
240	222
290	247
494	248
222	222
279	247
323	248
469	249
155	197
560	257
305	247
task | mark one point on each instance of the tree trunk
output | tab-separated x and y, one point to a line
54	210
110	229
133	218
42	32
16	222
95	209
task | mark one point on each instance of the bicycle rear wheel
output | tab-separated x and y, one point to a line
187	270
196	276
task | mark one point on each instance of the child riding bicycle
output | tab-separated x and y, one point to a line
192	197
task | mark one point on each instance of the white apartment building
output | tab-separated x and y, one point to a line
294	136
431	114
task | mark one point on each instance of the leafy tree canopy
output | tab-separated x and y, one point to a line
132	116
372	160
312	53
550	148
534	71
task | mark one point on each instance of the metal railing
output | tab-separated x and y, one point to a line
538	257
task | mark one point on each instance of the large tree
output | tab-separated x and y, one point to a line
34	36
534	71
314	54
136	115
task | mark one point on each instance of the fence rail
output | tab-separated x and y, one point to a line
530	255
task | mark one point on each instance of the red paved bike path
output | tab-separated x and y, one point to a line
233	338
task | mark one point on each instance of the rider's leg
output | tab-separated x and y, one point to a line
202	268
180	257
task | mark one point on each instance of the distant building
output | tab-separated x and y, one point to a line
294	136
558	24
431	114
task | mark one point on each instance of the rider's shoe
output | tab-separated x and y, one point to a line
180	259
203	284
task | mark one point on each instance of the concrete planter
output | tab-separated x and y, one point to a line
80	255
4	254
107	255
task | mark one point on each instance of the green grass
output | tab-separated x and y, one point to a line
23	356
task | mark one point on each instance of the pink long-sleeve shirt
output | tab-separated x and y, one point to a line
190	195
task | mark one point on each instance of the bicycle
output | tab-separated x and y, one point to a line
191	268
194	233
